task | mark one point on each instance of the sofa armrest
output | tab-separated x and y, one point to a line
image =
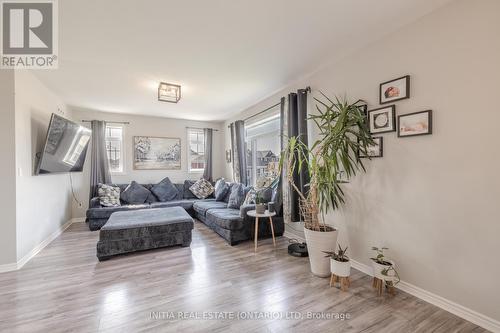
95	203
244	209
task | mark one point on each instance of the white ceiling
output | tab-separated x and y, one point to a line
226	54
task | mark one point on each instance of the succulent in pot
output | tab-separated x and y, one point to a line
340	265
383	268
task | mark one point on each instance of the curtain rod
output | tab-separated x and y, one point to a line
111	122
307	89
213	129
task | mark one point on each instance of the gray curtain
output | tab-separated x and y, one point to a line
239	151
99	165
297	126
207	173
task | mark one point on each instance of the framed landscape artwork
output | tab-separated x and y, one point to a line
376	150
382	120
416	123
157	153
394	90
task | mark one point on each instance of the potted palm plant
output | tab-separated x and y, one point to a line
343	133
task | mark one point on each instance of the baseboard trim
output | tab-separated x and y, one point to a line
78	220
8	267
20	263
441	302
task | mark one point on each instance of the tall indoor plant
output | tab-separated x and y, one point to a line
330	161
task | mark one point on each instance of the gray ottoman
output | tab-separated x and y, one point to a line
138	230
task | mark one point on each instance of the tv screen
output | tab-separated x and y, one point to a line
65	147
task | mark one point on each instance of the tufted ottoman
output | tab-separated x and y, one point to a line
138	230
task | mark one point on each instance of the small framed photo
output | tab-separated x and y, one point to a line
394	90
377	150
228	155
382	120
416	123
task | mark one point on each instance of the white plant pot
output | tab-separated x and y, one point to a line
340	268
317	242
378	268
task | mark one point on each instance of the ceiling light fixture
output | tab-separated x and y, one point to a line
168	92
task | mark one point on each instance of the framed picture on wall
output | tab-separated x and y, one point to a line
157	153
382	120
377	150
394	90
228	156
416	123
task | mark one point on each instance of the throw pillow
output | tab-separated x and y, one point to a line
187	192
135	194
237	196
221	189
230	187
165	190
250	197
202	188
109	196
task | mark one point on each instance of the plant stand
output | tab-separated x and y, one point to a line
378	284
345	281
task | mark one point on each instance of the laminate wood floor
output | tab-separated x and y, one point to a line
65	289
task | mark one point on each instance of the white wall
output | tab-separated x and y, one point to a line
43	202
146	126
7	169
431	199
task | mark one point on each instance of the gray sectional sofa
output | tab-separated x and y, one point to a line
234	225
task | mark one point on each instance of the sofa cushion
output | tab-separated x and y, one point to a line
187	204
201	207
187	194
226	218
135	193
109	196
105	212
201	188
237	196
221	189
165	190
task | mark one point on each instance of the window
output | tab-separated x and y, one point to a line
196	151
263	145
114	147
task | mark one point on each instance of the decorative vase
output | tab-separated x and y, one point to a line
319	242
340	268
270	207
260	208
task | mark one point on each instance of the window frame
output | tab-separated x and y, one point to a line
122	150
251	144
188	132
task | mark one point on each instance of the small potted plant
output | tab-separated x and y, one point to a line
260	206
383	268
339	262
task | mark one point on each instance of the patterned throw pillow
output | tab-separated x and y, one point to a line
109	196
202	188
250	198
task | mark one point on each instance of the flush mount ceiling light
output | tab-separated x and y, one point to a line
168	92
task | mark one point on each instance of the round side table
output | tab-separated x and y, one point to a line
253	213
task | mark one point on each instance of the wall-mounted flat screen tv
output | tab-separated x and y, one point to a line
65	147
